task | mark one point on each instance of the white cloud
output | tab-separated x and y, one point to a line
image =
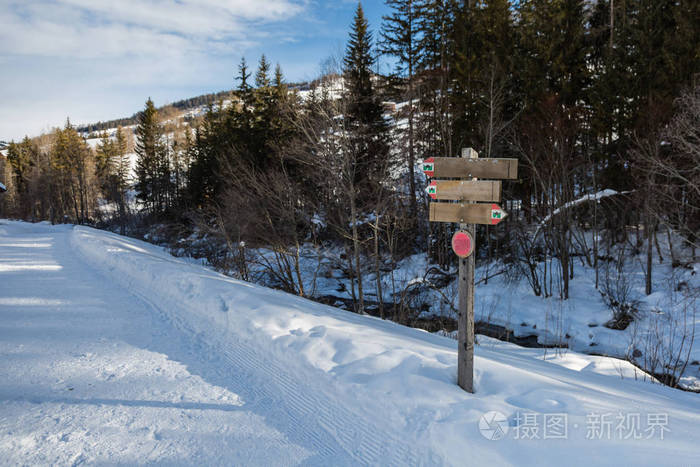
65	57
133	27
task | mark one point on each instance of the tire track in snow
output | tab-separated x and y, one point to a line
338	434
172	337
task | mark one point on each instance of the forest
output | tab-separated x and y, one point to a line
598	100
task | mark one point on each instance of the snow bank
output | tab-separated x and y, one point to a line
328	339
401	381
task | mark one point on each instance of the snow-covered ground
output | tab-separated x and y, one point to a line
667	319
113	351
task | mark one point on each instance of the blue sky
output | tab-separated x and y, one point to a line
96	60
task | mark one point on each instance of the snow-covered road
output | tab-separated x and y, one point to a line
111	351
92	373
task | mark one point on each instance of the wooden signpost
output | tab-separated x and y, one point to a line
486	214
454	167
462	209
465	190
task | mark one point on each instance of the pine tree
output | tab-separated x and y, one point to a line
653	52
279	84
400	39
435	25
244	90
8	194
554	50
555	86
72	175
152	164
266	113
121	165
364	107
684	42
105	158
365	154
241	125
483	74
363	104
200	177
281	112
120	175
262	76
22	157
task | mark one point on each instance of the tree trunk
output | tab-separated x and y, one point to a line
377	272
297	269
411	149
650	251
356	252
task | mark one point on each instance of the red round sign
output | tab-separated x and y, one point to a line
462	244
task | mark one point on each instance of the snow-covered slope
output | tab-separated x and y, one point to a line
114	351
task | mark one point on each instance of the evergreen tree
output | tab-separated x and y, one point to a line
610	94
120	176
555	79
244	90
363	104
280	86
152	164
72	176
364	160
121	164
484	89
266	114
201	182
22	157
435	24
105	159
241	121
262	76
8	197
363	110
400	39
554	50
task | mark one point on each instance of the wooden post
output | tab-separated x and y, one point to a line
466	211
465	323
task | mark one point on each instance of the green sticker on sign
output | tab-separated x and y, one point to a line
497	214
428	166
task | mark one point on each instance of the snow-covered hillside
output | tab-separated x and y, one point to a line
112	351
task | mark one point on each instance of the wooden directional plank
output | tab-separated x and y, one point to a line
487	214
465	190
458	167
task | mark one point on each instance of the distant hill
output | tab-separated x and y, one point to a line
184	104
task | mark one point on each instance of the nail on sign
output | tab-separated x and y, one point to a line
462	244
